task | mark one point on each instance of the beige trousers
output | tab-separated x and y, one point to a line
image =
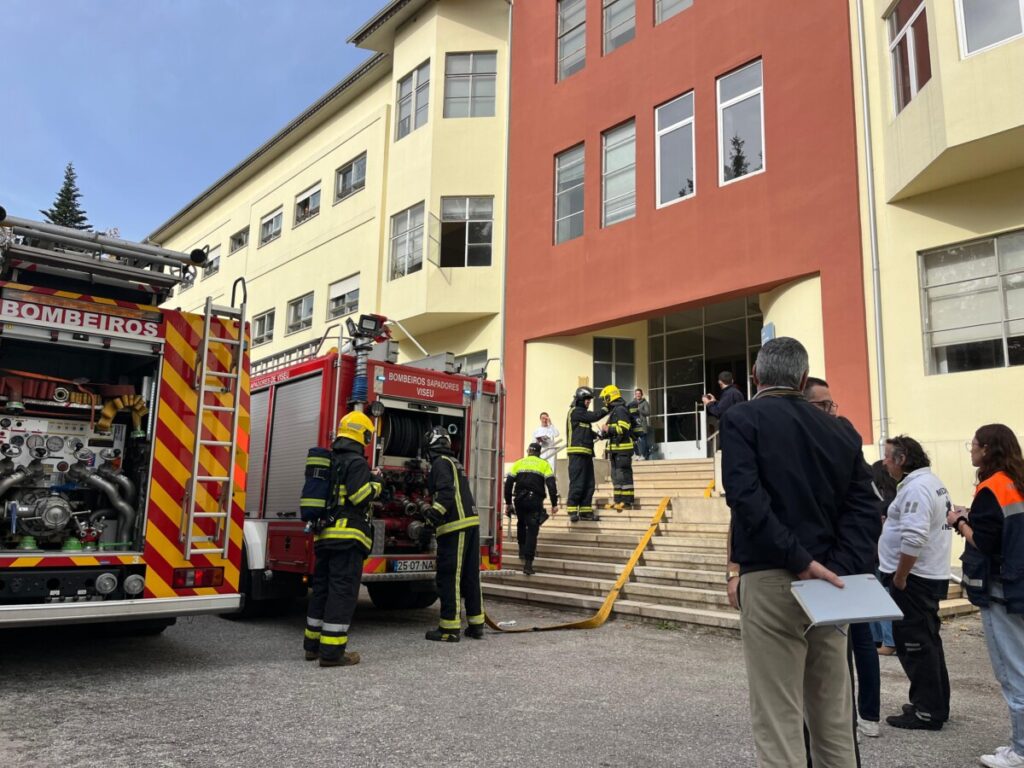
794	677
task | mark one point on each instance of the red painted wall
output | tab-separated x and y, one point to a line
799	217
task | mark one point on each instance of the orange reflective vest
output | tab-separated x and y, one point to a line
978	567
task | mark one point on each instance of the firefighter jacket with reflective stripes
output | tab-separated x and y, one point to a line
620	427
345	506
577	427
994	556
527	480
452	500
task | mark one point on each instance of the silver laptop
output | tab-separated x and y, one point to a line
862	599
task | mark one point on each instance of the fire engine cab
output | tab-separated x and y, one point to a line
299	395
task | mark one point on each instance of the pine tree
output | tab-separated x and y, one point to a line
738	165
66	211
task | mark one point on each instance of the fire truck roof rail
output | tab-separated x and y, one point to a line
83	256
285	358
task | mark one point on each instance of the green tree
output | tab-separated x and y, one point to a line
738	165
66	211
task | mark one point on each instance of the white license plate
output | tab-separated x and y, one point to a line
412	566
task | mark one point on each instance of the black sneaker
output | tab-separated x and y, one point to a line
910	721
443	635
909	709
475	631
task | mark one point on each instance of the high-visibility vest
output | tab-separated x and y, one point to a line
1011	571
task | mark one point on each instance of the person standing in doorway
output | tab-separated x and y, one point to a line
547	435
728	397
640	411
913	556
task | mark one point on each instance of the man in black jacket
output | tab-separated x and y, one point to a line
728	397
524	496
579	502
802	507
455	521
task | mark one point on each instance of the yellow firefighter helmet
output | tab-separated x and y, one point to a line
356	426
610	394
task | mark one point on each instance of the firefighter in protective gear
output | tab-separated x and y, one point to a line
580	499
457	526
620	448
524	496
341	487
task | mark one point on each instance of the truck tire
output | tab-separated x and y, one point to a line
402	595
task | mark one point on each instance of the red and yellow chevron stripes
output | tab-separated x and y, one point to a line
375	565
71	561
79	297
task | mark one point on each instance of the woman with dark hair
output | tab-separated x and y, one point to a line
993	561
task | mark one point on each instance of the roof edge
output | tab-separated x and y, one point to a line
384	15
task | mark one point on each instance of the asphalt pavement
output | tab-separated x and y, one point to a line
212	693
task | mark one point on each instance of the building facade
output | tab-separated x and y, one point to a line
683	181
387	195
945	91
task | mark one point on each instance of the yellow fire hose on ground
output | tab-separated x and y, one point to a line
605	610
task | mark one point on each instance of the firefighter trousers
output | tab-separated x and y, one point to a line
580	499
336	578
530	515
458	578
622	476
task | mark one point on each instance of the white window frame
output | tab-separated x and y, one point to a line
417	88
405	236
350	165
911	55
340	289
305	321
961	25
560	34
605	32
758	91
277	213
467	220
660	18
212	265
583	178
232	248
605	148
471	77
264	337
303	197
659	132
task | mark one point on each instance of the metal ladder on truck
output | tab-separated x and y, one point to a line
486	453
228	382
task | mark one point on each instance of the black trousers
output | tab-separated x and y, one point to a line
458	578
622	476
336	578
919	645
530	516
580	499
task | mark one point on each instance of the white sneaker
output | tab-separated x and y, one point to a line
868	728
1004	757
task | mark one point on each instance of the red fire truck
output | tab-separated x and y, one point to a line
298	397
123	433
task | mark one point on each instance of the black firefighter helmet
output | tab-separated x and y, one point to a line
582	395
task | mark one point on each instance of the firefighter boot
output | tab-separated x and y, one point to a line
475	631
443	635
574	518
312	655
346	659
528	568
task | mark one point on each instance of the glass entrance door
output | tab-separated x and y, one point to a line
687	351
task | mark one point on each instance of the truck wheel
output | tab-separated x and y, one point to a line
401	595
250	606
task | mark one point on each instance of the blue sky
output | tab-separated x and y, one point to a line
153	101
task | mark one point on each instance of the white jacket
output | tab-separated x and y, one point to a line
916	525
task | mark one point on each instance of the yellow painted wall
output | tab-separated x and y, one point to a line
795	308
473	336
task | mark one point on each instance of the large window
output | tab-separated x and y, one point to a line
263	328
740	123
239	240
307	205
350	178
270	226
973	302
908	48
407	241
676	178
469	84
614	363
413	100
985	23
343	297
466	225
618	176
572	36
300	313
212	265
569	194
666	9
619	23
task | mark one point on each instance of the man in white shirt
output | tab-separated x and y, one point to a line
913	557
547	435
